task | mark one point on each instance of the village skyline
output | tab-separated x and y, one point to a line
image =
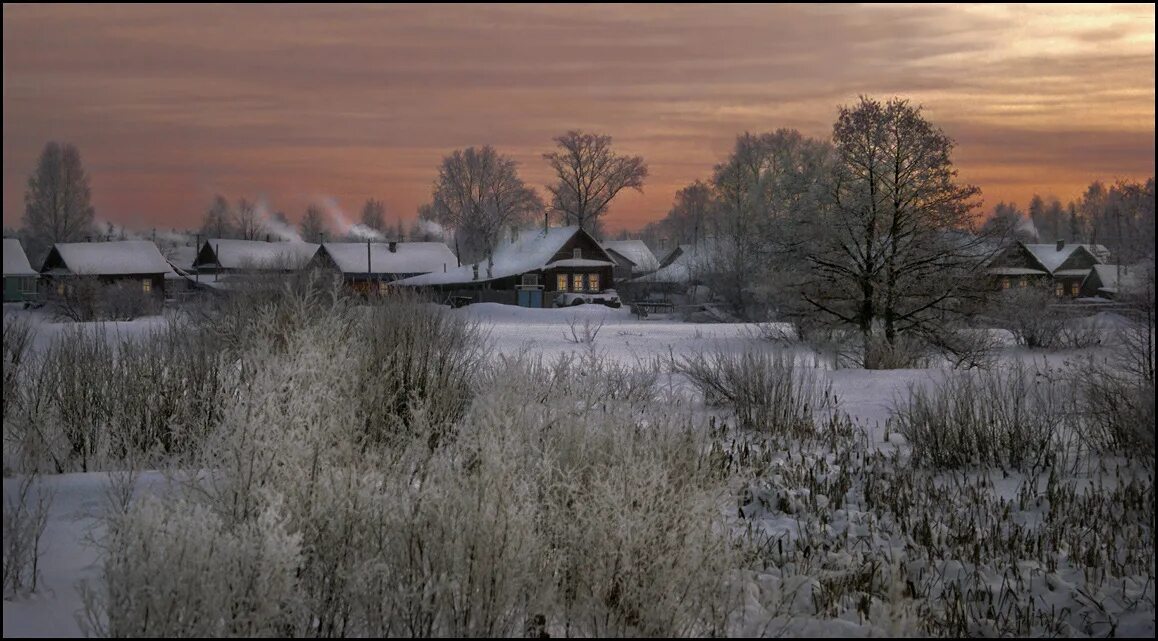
169	106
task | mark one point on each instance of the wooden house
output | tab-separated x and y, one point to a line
637	253
368	267
137	262
1060	266
528	269
223	256
20	280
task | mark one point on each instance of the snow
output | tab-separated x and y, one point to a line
530	250
866	395
637	252
15	260
241	254
578	262
679	270
1017	271
118	257
408	258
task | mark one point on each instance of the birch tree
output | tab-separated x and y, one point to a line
57	206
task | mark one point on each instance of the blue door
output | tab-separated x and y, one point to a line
530	298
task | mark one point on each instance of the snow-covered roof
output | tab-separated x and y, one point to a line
1072	272
679	267
408	258
249	254
15	260
637	252
1132	277
114	258
180	256
1052	258
530	250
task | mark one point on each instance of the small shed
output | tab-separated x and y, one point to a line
230	255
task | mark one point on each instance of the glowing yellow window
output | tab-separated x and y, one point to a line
383	287
1004	283
60	289
561	282
1073	289
146	285
593	282
1023	283
1061	290
576	282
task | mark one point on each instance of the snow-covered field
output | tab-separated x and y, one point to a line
813	496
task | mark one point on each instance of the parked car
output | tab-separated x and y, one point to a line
607	297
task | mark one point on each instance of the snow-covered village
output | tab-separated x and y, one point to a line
579	321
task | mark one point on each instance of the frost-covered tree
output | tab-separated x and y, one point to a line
478	194
1008	222
765	191
56	203
246	221
313	225
895	246
589	176
218	221
374	215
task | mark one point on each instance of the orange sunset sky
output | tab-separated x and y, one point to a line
171	104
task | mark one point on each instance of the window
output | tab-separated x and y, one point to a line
1061	290
60	289
577	252
561	282
1023	283
593	282
146	285
1004	283
1074	288
383	287
576	282
530	280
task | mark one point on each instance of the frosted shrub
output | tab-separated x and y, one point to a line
765	389
1011	417
26	505
176	568
1115	408
1027	312
18	335
411	353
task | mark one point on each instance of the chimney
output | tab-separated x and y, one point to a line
393	247
546	223
322	238
1060	244
267	238
474	270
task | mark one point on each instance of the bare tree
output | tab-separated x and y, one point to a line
479	195
218	219
895	245
686	220
248	223
590	175
1008	221
313	225
374	215
56	203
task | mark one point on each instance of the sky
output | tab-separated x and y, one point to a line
294	104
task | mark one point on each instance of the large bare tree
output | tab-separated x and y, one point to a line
590	175
480	196
56	204
895	248
374	215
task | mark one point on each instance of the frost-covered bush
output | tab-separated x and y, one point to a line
413	354
1029	314
1010	417
1114	408
18	335
26	505
124	301
174	568
905	352
765	389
